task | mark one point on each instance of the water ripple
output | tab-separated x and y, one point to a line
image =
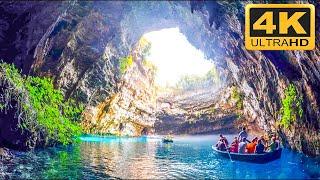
144	158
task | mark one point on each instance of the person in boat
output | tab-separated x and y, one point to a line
242	146
234	145
243	134
273	145
263	140
224	140
252	145
277	142
259	147
221	146
167	138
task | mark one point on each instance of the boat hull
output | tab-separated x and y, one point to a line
253	158
167	140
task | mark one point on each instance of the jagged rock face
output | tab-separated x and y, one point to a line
79	45
264	75
22	26
129	111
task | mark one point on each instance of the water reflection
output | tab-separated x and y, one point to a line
149	158
120	159
64	161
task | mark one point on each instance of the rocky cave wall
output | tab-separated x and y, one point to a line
131	110
80	49
79	45
264	75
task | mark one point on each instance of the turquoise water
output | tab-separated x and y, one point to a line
188	157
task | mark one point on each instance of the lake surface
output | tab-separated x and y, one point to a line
188	157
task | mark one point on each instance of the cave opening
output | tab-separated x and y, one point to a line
187	82
180	67
180	74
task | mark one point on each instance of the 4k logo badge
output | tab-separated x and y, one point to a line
280	27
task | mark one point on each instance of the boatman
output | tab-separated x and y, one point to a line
243	134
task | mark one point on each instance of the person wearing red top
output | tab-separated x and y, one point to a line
234	145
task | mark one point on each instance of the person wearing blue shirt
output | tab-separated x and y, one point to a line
243	134
259	148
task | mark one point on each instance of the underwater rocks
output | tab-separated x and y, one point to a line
5	154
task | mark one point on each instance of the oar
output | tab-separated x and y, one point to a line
228	149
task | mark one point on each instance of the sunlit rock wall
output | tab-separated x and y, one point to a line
80	47
131	110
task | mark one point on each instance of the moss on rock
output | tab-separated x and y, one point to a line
38	107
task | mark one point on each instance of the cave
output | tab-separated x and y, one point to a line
81	46
174	17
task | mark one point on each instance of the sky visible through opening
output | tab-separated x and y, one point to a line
174	56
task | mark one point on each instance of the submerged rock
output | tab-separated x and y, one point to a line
5	154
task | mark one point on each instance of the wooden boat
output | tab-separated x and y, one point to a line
167	140
253	158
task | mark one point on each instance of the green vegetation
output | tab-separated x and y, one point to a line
237	96
41	107
291	106
125	63
145	47
192	82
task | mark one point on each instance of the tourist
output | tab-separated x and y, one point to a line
252	145
259	147
263	140
242	146
224	140
243	134
273	145
221	146
234	145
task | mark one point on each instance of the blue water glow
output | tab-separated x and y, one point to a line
189	157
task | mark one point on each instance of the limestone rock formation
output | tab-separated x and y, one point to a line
263	77
204	111
131	110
